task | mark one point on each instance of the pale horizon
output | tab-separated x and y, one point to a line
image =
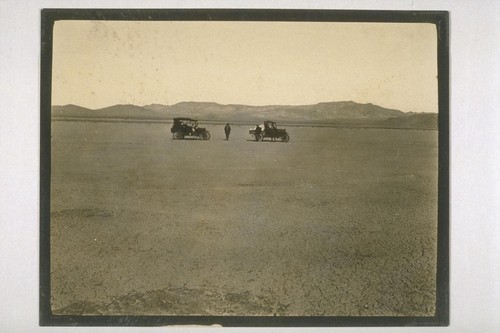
206	102
97	64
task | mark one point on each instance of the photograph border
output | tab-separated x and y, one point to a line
439	18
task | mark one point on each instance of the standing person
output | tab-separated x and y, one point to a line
227	130
274	132
258	130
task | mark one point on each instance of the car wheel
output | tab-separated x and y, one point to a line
205	136
285	138
259	137
178	136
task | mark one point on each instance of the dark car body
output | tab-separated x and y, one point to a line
183	127
269	130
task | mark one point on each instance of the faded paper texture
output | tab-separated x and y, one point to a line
339	221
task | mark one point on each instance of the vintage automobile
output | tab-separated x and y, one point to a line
183	127
269	130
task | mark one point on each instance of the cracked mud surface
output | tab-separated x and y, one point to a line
336	222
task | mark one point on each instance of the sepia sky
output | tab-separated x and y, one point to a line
102	63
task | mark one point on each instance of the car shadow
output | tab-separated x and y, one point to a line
265	141
189	139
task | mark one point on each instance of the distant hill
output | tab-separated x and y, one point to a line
129	111
70	110
412	120
122	111
155	107
346	113
317	112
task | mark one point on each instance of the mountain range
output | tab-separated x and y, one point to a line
346	113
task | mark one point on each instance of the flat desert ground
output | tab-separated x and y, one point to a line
336	222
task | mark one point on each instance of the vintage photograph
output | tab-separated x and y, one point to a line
244	168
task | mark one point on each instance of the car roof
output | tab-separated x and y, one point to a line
268	121
177	119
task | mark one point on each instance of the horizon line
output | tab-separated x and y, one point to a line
230	104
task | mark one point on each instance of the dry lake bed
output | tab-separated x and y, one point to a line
337	222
